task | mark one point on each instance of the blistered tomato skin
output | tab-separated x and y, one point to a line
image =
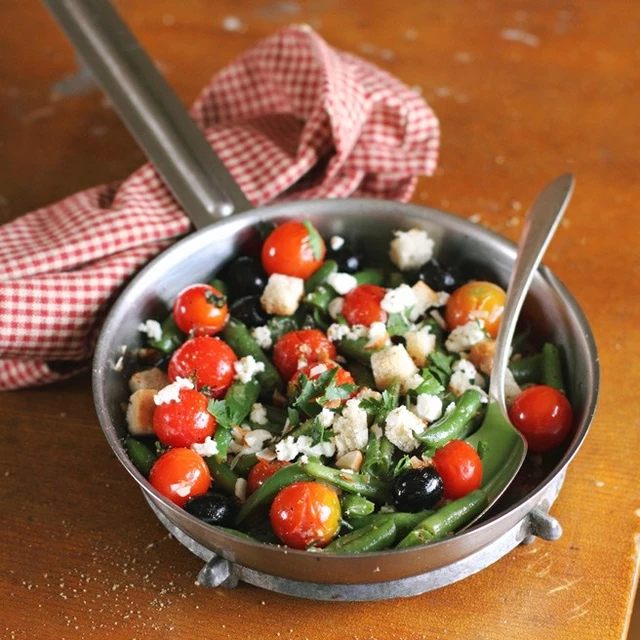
207	358
200	310
362	305
543	416
297	349
179	475
460	468
306	514
476	301
262	471
183	423
289	250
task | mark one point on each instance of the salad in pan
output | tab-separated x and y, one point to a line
306	398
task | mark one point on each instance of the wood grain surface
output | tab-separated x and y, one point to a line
524	90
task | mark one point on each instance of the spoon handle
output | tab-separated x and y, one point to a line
539	226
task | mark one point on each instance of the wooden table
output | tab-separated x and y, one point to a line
525	91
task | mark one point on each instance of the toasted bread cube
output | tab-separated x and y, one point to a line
390	364
140	412
150	379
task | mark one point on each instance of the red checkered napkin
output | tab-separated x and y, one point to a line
291	119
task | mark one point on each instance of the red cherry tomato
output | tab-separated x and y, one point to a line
201	310
308	346
476	300
180	474
291	249
543	416
306	514
209	359
262	471
362	305
459	467
180	424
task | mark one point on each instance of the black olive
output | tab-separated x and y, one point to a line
346	257
249	310
244	277
417	489
438	277
212	508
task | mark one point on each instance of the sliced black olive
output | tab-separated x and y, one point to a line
212	508
249	311
346	257
244	277
439	278
417	489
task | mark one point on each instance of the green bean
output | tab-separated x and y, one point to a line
222	437
378	456
220	285
362	484
394	279
370	276
270	487
275	415
355	350
243	464
403	521
355	506
236	533
364	540
141	456
362	375
224	478
320	297
456	425
237	336
527	369
320	275
171	337
551	367
446	520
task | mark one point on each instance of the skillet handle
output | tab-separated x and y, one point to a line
151	110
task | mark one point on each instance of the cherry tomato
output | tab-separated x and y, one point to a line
262	471
180	424
306	346
306	514
362	305
476	300
207	358
459	467
200	310
180	474
293	250
543	416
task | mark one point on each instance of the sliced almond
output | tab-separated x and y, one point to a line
351	460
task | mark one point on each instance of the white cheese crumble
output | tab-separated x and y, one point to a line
350	429
248	441
317	370
336	242
410	249
337	332
152	328
288	448
462	338
171	393
262	336
183	489
326	417
399	299
425	297
420	343
400	427
378	336
335	307
246	368
465	376
258	413
437	316
207	448
511	387
282	294
390	364
342	282
428	407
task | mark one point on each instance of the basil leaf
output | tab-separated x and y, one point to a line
315	240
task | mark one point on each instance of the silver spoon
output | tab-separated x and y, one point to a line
507	448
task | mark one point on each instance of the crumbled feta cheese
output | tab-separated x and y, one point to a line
256	438
282	294
464	377
318	370
248	441
420	344
302	363
258	413
399	299
207	448
400	427
511	387
304	458
413	382
425	297
443	298
183	488
336	242
378	336
450	407
335	307
350	429
171	393
342	282
246	368
262	336
288	448
391	363
152	328
366	392
437	316
410	249
326	417
337	332
462	338
428	407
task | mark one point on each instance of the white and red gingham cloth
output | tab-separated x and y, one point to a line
291	119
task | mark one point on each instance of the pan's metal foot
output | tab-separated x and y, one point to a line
542	525
218	572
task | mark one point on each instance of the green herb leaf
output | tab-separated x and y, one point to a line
315	240
216	299
430	385
401	466
311	390
236	405
397	324
379	408
440	366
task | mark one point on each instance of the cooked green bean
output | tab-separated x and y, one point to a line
355	350
141	456
320	297
373	537
378	456
320	275
528	369
552	367
244	464
171	337
223	477
354	506
370	276
403	521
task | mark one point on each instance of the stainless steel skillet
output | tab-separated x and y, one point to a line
206	191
